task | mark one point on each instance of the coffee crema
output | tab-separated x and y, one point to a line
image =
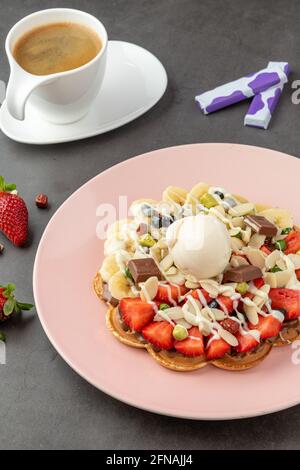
56	47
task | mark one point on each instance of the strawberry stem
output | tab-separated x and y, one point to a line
12	305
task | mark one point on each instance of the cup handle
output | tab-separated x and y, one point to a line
20	86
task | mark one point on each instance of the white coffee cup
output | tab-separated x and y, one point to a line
61	97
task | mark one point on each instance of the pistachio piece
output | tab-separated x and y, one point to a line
147	240
208	201
180	333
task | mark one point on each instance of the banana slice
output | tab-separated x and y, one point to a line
135	208
240	199
174	194
119	228
109	268
261	207
193	197
119	286
280	217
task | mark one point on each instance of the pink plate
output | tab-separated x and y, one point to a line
73	318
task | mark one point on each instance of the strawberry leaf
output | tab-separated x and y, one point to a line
9	289
23	306
6	186
10	187
9	306
2	336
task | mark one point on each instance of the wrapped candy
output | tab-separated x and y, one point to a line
264	103
241	89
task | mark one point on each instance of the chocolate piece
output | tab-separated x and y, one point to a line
106	295
143	268
242	274
261	225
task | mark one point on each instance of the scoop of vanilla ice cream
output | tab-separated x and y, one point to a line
200	245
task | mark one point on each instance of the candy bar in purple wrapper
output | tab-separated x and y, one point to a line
263	104
241	89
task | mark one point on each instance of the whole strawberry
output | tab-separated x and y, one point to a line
13	214
9	304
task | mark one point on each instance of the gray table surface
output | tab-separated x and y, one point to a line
44	404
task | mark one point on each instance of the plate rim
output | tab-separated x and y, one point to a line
117	123
153	409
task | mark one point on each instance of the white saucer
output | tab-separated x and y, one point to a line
134	81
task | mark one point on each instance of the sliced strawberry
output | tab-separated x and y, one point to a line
259	282
230	325
159	333
265	250
168	292
227	302
267	326
286	299
246	343
293	242
136	313
297	271
191	347
217	349
205	294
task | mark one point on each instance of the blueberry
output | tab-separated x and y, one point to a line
221	195
166	221
229	202
147	210
156	221
213	304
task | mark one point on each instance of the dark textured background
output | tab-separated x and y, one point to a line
43	403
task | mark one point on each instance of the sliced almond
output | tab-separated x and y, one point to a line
233	232
206	313
191	278
295	260
251	314
174	313
183	323
177	278
236	244
283	277
271	279
237	261
189	317
205	328
255	256
238	222
272	258
246	235
171	271
166	262
149	289
257	240
211	286
228	337
283	265
193	306
191	285
218	314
